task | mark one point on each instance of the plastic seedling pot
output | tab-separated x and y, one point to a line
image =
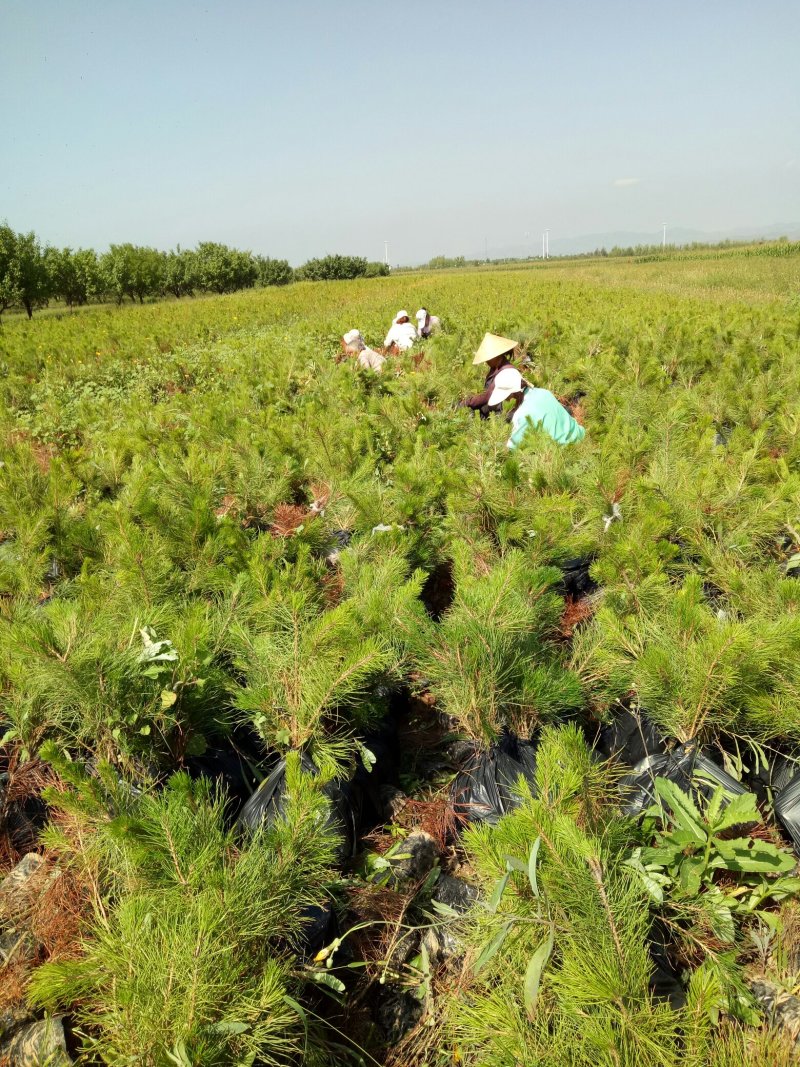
483	790
633	739
576	581
686	765
630	738
787	809
269	803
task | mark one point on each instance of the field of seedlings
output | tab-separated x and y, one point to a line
335	733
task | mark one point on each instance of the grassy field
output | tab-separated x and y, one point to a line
218	538
750	273
732	277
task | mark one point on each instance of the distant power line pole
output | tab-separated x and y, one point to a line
486	248
542	246
386	253
547	244
664	236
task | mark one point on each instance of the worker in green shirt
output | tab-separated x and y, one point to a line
534	407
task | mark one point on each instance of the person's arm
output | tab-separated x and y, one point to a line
478	400
481	400
389	339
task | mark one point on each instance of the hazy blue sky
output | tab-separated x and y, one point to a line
299	128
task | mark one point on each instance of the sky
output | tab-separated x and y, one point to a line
300	128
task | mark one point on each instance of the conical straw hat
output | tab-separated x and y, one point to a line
492	346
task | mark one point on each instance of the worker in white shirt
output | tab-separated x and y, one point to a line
402	334
426	323
353	344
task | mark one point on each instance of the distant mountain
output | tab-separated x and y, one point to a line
570	246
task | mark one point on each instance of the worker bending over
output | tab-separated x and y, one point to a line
426	323
353	344
402	334
496	353
534	408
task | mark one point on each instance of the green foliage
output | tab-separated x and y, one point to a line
333	268
492	661
692	848
24	277
273	271
220	269
306	667
75	277
90	680
443	262
187	953
695	669
567	966
132	271
180	274
9	284
30	276
206	518
376	269
558	960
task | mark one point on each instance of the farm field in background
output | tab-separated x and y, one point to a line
228	555
729	275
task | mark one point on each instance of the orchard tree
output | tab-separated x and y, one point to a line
61	271
10	293
180	272
273	271
28	281
116	266
245	270
74	276
88	277
224	270
333	268
376	269
29	276
133	270
148	272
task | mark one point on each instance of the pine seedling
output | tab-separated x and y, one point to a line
188	948
308	673
99	677
385	596
491	662
694	673
560	957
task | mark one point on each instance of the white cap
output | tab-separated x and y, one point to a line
401	315
421	315
352	336
508	381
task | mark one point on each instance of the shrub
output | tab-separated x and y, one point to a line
333	268
376	269
273	271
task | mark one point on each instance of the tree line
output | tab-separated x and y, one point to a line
33	274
